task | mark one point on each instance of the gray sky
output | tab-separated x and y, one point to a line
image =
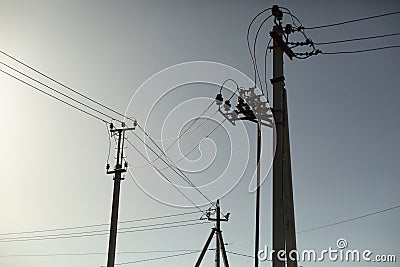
343	122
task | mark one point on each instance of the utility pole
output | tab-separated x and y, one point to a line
283	212
251	107
117	171
220	246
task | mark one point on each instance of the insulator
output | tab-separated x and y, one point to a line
107	166
219	99
227	105
288	29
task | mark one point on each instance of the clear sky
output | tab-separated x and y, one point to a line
342	112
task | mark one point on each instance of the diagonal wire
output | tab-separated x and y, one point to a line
193	148
52	96
166	178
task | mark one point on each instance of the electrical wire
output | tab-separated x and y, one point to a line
156	258
351	21
176	139
227	80
176	170
96	253
98	103
101	224
65	86
265	63
97	231
239	254
348	220
358	39
166	178
248	46
193	148
58	92
254	52
100	234
360	51
188	130
52	96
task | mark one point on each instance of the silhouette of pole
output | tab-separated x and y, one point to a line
257	234
118	170
283	231
220	247
278	233
217	239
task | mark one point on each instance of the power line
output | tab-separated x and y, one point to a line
97	225
176	170
58	92
197	145
65	86
360	51
349	220
98	231
351	21
176	139
240	254
96	253
99	234
52	96
156	258
256	73
357	39
163	175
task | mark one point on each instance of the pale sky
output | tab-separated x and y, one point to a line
343	127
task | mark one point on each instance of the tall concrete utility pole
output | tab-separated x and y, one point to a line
283	236
117	171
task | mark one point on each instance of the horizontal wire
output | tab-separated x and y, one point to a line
100	234
350	21
97	231
357	39
360	51
101	224
239	254
156	258
96	253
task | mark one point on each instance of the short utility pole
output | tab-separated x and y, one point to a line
220	246
117	171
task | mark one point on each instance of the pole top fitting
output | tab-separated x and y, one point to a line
277	13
